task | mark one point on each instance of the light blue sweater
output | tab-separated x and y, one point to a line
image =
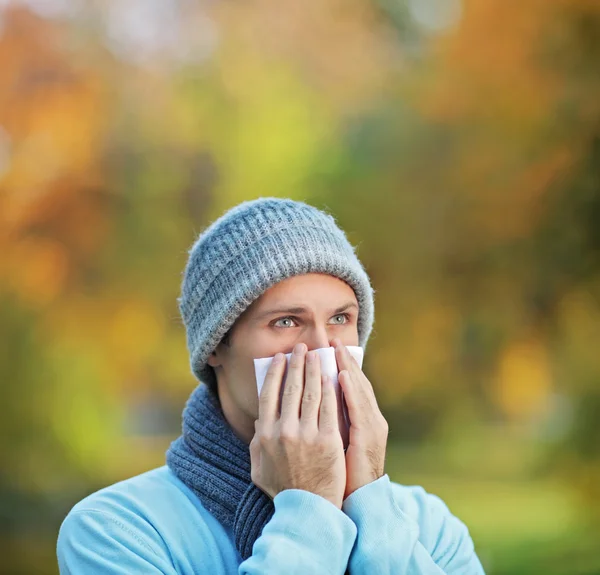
153	523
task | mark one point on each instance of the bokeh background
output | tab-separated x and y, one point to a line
456	141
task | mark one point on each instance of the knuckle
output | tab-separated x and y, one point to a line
288	434
313	367
385	427
265	439
327	436
310	396
308	437
273	369
291	388
271	372
381	424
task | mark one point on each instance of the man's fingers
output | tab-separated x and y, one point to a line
350	397
294	385
268	402
361	408
362	387
328	420
344	358
311	398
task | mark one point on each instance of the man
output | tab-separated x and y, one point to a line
257	486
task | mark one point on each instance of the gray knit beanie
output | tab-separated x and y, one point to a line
252	247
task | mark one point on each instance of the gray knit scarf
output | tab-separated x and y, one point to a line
215	464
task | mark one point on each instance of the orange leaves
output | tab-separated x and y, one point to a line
507	203
490	67
54	116
36	270
502	84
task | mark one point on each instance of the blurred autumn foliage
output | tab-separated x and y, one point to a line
457	143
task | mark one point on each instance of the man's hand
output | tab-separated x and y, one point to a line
302	447
365	456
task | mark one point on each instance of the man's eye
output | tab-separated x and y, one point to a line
344	318
280	322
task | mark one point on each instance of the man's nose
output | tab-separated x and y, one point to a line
317	338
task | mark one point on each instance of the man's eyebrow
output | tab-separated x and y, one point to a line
299	310
345	307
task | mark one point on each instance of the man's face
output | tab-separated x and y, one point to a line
311	309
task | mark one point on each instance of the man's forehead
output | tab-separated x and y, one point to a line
304	293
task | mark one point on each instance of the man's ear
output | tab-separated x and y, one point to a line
214	359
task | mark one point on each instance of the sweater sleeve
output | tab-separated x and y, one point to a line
94	541
307	534
407	532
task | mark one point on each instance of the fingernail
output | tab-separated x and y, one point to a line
299	349
310	356
278	358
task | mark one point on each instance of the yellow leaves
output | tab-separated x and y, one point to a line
277	131
289	75
126	334
85	418
426	351
432	332
133	334
337	46
523	379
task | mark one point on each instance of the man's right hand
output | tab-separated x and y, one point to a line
301	448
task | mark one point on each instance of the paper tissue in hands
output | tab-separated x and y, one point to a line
328	367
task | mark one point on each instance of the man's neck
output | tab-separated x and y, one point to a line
237	421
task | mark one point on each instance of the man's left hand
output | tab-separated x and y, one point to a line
365	456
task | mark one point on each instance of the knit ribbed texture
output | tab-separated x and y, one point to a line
248	250
215	464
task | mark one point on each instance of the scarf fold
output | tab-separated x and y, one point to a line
215	464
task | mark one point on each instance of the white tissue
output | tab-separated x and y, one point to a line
328	367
